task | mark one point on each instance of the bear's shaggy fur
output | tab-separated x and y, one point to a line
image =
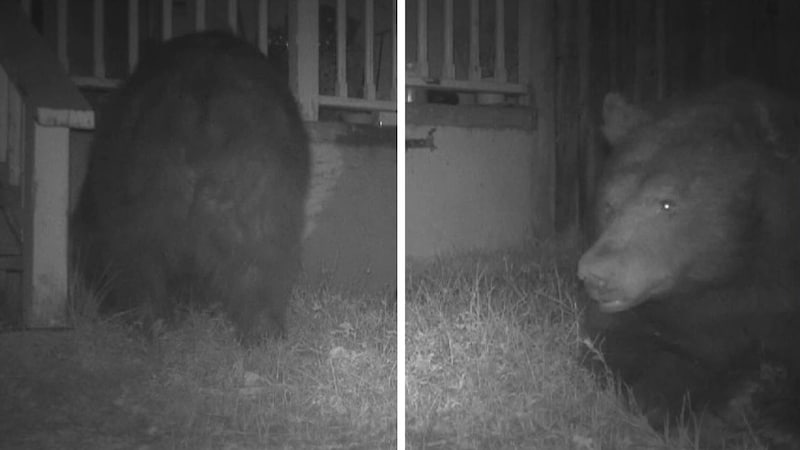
196	186
694	273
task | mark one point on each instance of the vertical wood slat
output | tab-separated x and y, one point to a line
500	42
661	50
474	69
166	20
678	50
722	47
524	48
26	7
200	15
707	58
98	39
61	31
369	58
263	26
341	48
613	76
641	67
543	85
422	39
749	27
565	118
304	56
16	138
5	136
584	30
233	7
448	66
133	33
474	41
394	51
587	145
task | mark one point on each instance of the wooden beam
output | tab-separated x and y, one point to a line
543	85
587	148
304	56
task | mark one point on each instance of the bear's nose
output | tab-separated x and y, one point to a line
593	272
590	278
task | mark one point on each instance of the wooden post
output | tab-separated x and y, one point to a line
133	34
642	25
98	39
233	7
304	56
448	66
45	250
613	47
394	55
422	39
543	86
524	50
474	41
16	137
680	39
61	31
166	20
263	27
200	15
661	51
500	42
708	57
587	151
566	118
369	57
341	48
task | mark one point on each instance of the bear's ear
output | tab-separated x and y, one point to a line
778	125
620	117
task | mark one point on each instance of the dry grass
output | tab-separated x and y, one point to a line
490	356
331	385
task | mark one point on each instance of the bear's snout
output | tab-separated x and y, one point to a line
617	280
595	275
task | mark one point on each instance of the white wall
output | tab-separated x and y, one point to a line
474	190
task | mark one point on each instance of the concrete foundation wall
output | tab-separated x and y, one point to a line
351	237
468	186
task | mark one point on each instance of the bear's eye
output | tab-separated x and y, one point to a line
667	205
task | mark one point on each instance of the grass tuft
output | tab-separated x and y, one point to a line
189	385
491	356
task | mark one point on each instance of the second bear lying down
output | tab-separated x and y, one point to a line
694	273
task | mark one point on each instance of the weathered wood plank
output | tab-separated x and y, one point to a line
543	86
34	69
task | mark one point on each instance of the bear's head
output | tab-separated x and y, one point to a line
675	208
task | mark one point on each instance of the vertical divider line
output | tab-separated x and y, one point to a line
400	45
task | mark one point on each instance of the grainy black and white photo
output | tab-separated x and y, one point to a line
602	224
381	224
199	227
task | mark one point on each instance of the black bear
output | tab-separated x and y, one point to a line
694	270
196	186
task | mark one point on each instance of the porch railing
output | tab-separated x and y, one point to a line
90	35
478	49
